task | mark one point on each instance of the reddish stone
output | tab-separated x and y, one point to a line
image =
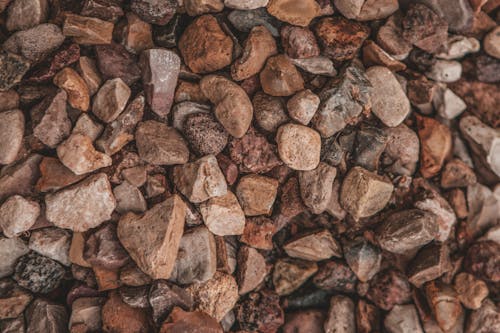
120	317
115	61
55	175
483	261
335	276
228	167
261	311
66	56
299	42
435	143
259	232
388	288
181	321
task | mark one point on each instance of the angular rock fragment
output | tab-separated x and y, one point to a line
87	30
11	135
164	296
154	11
482	260
444	304
487	317
296	12
340	316
10	250
55	175
289	274
363	258
87	126
76	88
471	290
261	311
223	215
448	105
429	264
280	77
88	71
251	269
115	310
12	69
316	187
45	316
435	139
258	233
86	313
136	297
110	100
38	273
299	146
457	174
20	178
114	61
136	35
256	194
337	276
402	150
13	300
403	318
369	145
375	55
388	288
17	215
53	243
314	246
205	134
102	248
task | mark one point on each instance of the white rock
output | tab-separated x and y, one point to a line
445	71
491	43
223	215
459	46
448	104
53	243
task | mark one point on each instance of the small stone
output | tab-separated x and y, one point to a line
289	274
154	11
181	321
457	174
299	146
316	65
129	199
198	7
367	317
459	46
87	30
336	276
36	43
88	71
114	61
256	194
200	180
76	250
115	310
491	42
155	185
204	46
375	55
389	288
445	71
205	134
92	203
429	264
216	297
76	88
280	77
9	100
269	111
233	108
304	321
53	243
10	250
340	318
245	20
295	12
55	175
183	109
136	35
302	106
12	69
110	100
482	260
316	187
13	300
483	209
47	317
245	4
390	38
160	69
86	312
38	273
79	155
435	140
471	291
102	248
314	246
444	303
107	10
389	102
363	258
164	296
261	311
299	42
402	150
11	135
251	269
196	259
258	233
448	104
25	14
160	144
152	240
17	215
403	318
223	215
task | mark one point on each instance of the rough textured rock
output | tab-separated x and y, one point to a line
205	134
10	250
154	11
315	246
86	312
164	296
435	140
258	233
457	174
45	316
251	269
11	137
389	288
296	12
363	258
64	56
299	42
302	106
76	88
280	77
152	240
20	178
256	194
54	175
335	276
316	187
81	206
87	30
373	55
12	69
107	10
18	215
403	318
185	108
471	291
261	311
181	321
53	243
482	260
110	100
340	316
269	111
299	146
115	310
38	273
24	14
13	300
223	215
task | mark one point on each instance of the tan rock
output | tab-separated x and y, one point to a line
491	43
11	135
196	321
457	174
129	198
340	318
280	77
302	106
223	215
296	12
76	88
87	126
55	175
198	7
315	246
316	187
258	233
76	250
88	71
289	274
471	290
118	316
403	318
137	35
435	143
111	100
251	269
299	146
18	215
256	194
24	14
13	300
107	279
88	30
375	55
153	239
444	304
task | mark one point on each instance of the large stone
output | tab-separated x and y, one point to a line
12	69
280	77
25	14
81	206
299	146
435	141
256	194
340	318
153	239
252	269
315	246
37	273
87	30
110	100
402	319
223	215
316	187
53	243
10	250
160	69
160	144
76	88
296	12
18	215
363	258
46	317
158	12
11	135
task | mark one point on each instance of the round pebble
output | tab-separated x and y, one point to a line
205	134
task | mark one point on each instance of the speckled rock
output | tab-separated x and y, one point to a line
38	273
205	134
154	11
261	311
12	69
389	288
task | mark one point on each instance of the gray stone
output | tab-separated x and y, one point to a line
53	243
38	273
129	198
245	20
403	319
11	135
316	187
12	69
10	250
18	215
24	14
369	145
46	317
88	127
340	318
319	65
363	258
110	100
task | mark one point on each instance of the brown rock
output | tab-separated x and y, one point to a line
164	296
299	42
12	69
159	144
456	198
403	318
260	311
154	11
363	258
205	134
258	233
340	316
299	146
13	299
54	175
251	269
316	187
79	155
296	12
51	242
86	313
108	10
136	35
198	7
444	303
223	215
87	30
388	288
390	38
25	14
63	57
45	316
471	291
402	150
315	246
302	106
258	47
337	276
76	250
227	249
152	240
129	198
256	194
9	100
280	77
131	275
204	46
110	100
115	61
88	71
17	215
457	174
482	260
180	321
20	178
115	310
11	135
76	88
486	318
289	274
228	168
304	321
87	126
491	41
435	140
103	249
190	92
429	264
367	317
269	111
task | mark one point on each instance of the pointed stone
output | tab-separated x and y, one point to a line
280	77
256	194
37	273
223	215
315	246
363	258
11	135
110	100
251	269
289	274
76	88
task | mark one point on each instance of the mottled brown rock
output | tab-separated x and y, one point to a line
11	249
63	57
223	215
482	260
429	264
457	174
261	311
180	321
17	215
110	100
115	310
299	43
154	11
401	153
51	242
204	46
228	168
389	37
388	288
315	246
76	88
269	111
444	303
367	317
114	61
12	69
13	299
87	30
256	194
205	134
87	126
25	14
258	47
340	317
296	12
106	279
88	71
136	35
153	239
299	146
337	276
403	318
363	258
316	187
471	290
108	10
198	7
45	316
302	106
251	269
129	198
160	144
190	92
258	233
280	77
310	321
435	140
20	178
456	198
76	249
487	317
289	274
11	135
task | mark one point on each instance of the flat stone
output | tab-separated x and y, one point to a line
340	317
269	111
88	71
491	42
87	30
205	134
103	249
223	215
429	264
37	273
294	12
10	250
258	233
53	243
12	69
13	300
316	187
315	246
299	146
76	88
233	108
20	178
81	206
261	311
302	106
299	42
407	230
444	304
200	180
403	318
258	47
251	269
17	215
86	312
485	318
54	175
435	141
471	291
256	194
402	150
45	316
160	69
280	77
111	100
181	321
389	288
11	135
245	20
164	297
25	14
363	258
78	154
289	274
196	259
154	11
160	144
198	7
204	46
115	310
114	61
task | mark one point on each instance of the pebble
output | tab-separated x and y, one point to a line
205	134
256	194
299	42
160	70
491	43
160	144
115	310
37	273
261	311
280	77
290	273
369	144
482	260
87	30
316	187
459	46
181	321
448	104
152	240
299	146
103	249
389	288
223	215
13	300
373	55
36	43
335	276
183	109
445	71
390	38
364	193
302	106
444	303
25	14
114	61
12	69
198	7
86	313
258	233
435	141
53	243
340	317
233	108
315	246
88	71
164	297
121	131
20	178
430	263
316	65
79	155
245	20
252	269
366	10
295	12
154	11
363	258
110	100
204	46
245	4
258	47
18	215
487	317
10	250
269	111
94	191
45	316
403	318
487	68
459	15
54	175
103	9
471	291
76	88
389	101
136	35
216	297
457	174
11	135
